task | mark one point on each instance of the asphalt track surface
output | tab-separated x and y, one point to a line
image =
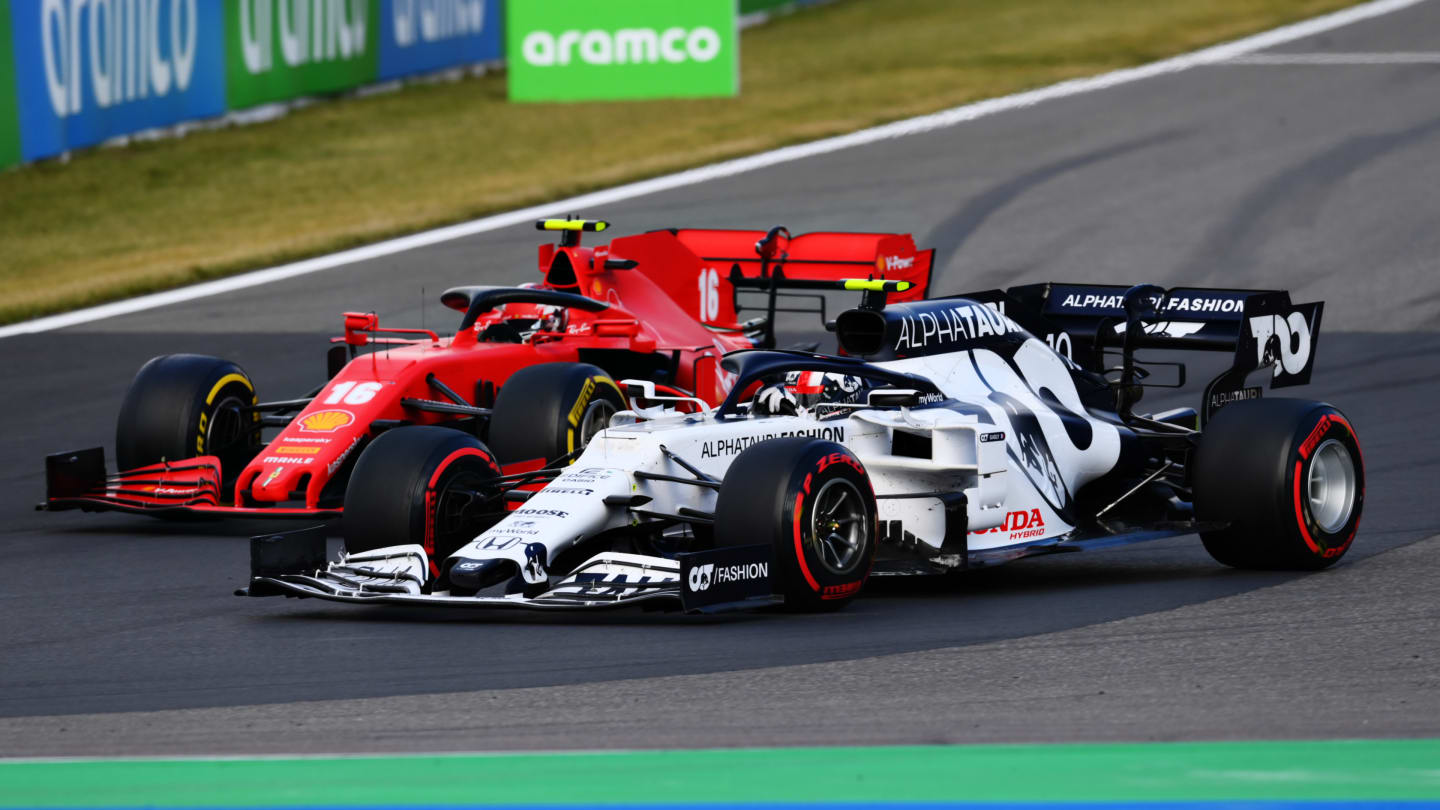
119	635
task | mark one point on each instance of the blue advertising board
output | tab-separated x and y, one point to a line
418	36
88	70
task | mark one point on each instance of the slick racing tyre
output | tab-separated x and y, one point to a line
431	486
181	406
1287	475
812	501
551	410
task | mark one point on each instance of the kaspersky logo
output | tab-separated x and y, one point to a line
627	46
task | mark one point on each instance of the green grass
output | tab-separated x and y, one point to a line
118	222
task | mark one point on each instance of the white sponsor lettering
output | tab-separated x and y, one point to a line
1177	304
129	56
627	46
952	325
287	460
703	576
417	21
899	263
310	31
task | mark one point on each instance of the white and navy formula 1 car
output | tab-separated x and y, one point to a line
957	433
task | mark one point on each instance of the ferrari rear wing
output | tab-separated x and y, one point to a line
705	271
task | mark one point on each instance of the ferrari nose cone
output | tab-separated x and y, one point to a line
473	575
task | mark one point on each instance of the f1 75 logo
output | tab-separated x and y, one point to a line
1282	342
700	577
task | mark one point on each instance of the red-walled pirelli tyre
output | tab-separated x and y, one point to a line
431	486
549	410
812	501
181	406
1288	476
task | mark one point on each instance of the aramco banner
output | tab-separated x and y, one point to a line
88	70
9	121
574	50
281	49
420	36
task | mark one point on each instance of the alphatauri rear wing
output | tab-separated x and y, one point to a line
1081	322
1260	327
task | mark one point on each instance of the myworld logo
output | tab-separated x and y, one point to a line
627	46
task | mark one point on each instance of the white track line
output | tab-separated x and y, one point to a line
1397	58
598	199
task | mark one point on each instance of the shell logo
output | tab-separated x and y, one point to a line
326	421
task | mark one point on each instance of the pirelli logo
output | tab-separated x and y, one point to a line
287	450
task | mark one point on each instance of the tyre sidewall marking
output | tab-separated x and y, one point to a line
432	498
203	422
1329	425
582	401
802	487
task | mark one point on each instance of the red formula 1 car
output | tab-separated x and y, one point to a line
530	369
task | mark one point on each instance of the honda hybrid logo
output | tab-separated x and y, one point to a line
703	576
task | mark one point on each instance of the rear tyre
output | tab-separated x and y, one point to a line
812	501
1288	476
551	410
432	486
181	406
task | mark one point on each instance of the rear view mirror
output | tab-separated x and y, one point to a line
893	398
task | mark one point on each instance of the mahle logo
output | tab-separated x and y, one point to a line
622	47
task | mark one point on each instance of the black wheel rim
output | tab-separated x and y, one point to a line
839	526
463	509
227	436
595	419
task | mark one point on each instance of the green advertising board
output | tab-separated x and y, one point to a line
282	49
576	50
9	109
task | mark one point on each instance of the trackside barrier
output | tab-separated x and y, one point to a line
76	73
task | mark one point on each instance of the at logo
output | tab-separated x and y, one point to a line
700	577
326	421
626	46
1282	342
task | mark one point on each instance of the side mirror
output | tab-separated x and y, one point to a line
639	389
893	398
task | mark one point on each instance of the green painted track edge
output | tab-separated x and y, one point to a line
1206	771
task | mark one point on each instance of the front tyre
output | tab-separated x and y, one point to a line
1288	477
181	406
551	410
812	501
431	486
